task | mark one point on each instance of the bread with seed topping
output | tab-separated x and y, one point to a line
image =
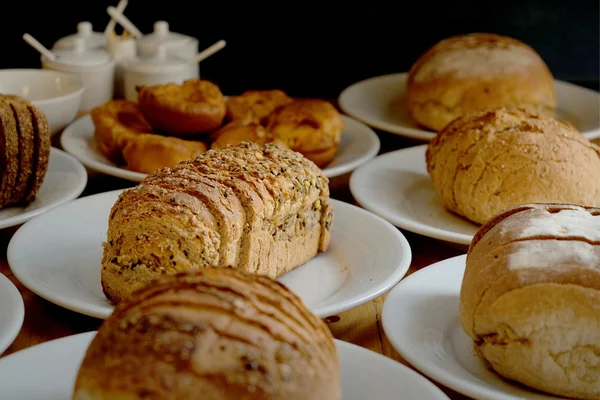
261	209
530	297
215	334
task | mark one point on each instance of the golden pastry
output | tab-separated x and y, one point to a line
257	103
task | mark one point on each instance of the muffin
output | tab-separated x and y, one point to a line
470	73
485	162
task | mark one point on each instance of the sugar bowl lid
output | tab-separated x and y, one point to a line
85	31
158	62
81	55
162	34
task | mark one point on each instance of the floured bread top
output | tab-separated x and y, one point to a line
474	56
566	223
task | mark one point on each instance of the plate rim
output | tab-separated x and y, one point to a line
350	350
70	134
431	232
18	308
376	290
424	135
436	373
78	169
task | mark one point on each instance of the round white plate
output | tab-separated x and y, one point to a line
420	318
358	145
380	102
12	312
397	187
366	257
34	373
65	180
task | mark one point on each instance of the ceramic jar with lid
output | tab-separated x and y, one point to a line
177	44
161	68
95	67
84	31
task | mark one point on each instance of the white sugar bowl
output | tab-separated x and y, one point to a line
85	31
95	67
160	69
177	44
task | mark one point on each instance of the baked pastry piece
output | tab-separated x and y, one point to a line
530	297
261	209
124	136
216	334
312	127
245	129
485	162
256	103
24	150
196	106
469	73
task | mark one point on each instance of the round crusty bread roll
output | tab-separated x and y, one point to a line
485	162
530	297
216	334
469	73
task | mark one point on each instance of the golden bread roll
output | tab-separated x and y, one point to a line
24	150
485	162
469	73
196	106
262	209
530	297
245	129
312	127
257	103
217	334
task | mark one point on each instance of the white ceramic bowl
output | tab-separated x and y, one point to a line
57	94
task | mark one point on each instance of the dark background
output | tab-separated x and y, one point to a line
317	48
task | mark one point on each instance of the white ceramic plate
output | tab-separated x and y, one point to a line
359	144
420	318
397	187
12	312
366	257
380	102
35	374
65	180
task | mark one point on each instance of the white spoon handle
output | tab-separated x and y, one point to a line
124	21
39	47
112	23
204	54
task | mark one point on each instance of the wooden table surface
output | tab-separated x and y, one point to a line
45	321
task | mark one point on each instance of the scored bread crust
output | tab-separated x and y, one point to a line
530	297
263	209
469	73
488	161
217	334
9	153
41	151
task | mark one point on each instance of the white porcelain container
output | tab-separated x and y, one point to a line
95	67
85	31
161	68
122	50
177	44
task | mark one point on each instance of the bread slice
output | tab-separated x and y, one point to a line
9	153
41	153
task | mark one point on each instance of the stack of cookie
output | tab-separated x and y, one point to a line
24	150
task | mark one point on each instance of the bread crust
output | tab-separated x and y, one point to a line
488	161
469	73
530	297
9	153
220	333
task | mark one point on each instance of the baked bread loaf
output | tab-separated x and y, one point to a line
194	107
485	162
24	150
310	126
260	209
469	73
257	104
124	136
217	334
530	297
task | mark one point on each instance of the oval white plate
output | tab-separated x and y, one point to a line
366	257
65	180
34	373
358	145
420	318
12	312
397	187
380	102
